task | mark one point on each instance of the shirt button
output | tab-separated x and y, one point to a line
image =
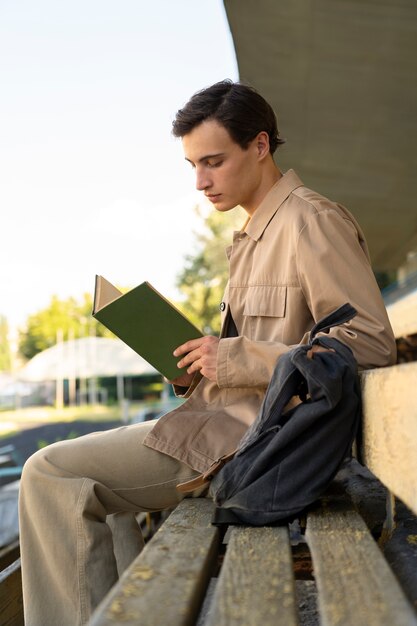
222	306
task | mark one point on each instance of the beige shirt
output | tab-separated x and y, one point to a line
297	259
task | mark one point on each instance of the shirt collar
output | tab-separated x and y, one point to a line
271	203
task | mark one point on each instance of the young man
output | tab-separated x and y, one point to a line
298	257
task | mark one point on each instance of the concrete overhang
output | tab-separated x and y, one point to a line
342	78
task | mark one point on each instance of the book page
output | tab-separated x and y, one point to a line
104	293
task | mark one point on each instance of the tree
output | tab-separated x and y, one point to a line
68	318
204	276
5	352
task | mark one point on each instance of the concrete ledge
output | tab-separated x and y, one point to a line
389	398
402	315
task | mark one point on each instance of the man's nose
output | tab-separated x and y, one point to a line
202	180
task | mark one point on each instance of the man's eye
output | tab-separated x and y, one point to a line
214	163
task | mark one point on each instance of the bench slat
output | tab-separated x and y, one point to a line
256	583
9	554
11	602
167	582
390	428
356	586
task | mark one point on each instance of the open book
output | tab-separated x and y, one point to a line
146	321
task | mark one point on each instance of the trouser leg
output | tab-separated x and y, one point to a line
67	491
127	538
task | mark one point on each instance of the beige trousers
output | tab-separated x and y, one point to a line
78	530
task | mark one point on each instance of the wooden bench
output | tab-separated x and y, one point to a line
11	600
330	571
11	604
190	573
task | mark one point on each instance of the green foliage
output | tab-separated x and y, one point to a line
42	443
204	277
62	319
5	354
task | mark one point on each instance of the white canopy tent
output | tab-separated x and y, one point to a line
85	359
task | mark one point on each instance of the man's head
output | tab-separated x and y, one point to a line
242	111
229	133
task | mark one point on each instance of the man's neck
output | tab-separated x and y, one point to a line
270	177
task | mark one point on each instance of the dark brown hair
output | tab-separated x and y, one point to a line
239	108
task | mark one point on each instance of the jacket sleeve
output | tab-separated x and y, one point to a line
342	273
333	268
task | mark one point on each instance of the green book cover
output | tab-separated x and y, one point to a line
146	321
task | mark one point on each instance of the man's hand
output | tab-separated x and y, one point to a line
200	355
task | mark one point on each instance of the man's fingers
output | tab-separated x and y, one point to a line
189	358
194	348
188	346
199	355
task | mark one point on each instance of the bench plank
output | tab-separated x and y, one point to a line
167	582
390	428
356	586
9	554
11	602
256	582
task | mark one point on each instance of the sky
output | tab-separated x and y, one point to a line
91	179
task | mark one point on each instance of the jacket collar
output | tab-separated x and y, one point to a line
256	225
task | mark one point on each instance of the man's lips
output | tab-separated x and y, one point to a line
213	197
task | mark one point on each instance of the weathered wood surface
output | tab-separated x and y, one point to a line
167	582
9	554
11	602
389	398
356	586
256	583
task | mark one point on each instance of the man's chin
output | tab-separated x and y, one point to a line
223	206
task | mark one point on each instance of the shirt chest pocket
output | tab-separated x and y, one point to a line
264	312
265	301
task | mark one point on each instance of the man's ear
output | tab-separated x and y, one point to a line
262	144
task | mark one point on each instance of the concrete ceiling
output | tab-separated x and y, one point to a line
342	78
